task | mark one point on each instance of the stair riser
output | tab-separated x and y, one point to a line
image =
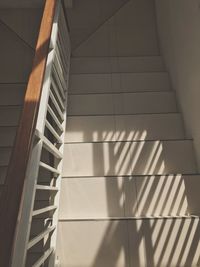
126	158
131	103
124	128
109	243
122	82
123	197
116	64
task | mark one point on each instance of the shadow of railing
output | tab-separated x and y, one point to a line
158	227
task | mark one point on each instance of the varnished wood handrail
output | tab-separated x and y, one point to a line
18	164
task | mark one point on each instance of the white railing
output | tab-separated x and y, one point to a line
35	241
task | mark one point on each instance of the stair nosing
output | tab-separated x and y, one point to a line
118	72
131	218
131	175
147	56
134	141
128	72
123	114
133	56
128	92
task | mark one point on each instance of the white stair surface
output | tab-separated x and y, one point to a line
129	196
124	128
80	65
130	188
107	243
118	82
123	103
126	158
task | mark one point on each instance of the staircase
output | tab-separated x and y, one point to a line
129	193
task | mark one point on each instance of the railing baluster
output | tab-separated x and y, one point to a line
46	155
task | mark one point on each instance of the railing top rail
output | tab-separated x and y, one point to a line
24	139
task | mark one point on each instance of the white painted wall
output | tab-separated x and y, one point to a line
179	32
19	30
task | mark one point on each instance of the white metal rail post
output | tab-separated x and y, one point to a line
37	247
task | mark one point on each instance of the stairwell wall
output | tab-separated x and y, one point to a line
178	27
19	29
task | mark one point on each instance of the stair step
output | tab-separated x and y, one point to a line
9	115
118	82
5	153
124	128
12	94
126	158
137	238
131	218
116	64
87	198
124	103
7	136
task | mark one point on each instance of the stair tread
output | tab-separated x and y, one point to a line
122	103
129	157
116	82
130	218
197	174
136	237
132	141
162	72
139	196
124	127
74	57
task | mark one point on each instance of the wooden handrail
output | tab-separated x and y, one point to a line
16	175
